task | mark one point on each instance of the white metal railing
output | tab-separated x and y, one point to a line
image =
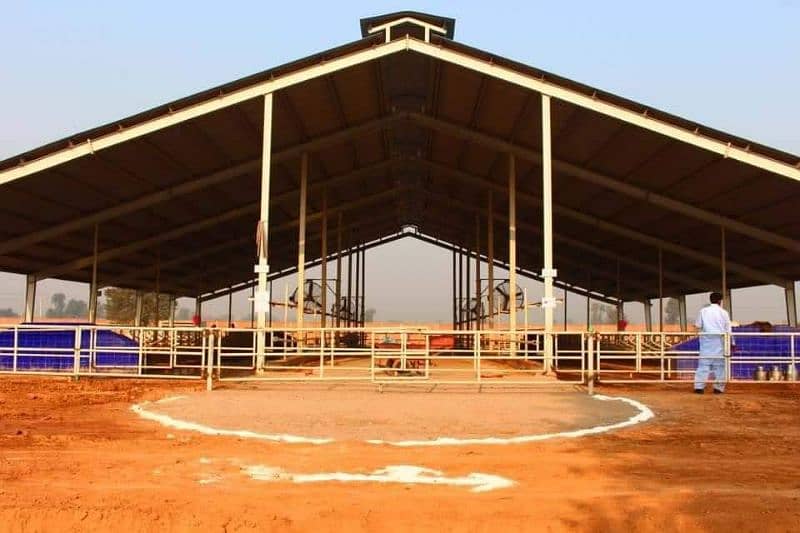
386	355
646	357
89	350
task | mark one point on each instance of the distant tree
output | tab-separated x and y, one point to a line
120	306
8	313
369	315
183	313
58	303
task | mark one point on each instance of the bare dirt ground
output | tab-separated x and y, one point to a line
74	457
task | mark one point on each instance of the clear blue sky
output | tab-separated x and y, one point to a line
68	66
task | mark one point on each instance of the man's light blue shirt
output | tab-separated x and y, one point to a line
713	322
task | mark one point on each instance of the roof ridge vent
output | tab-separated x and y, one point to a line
412	23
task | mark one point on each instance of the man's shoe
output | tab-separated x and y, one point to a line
718	391
698	391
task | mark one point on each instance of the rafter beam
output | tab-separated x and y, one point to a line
198	183
170	117
596	104
610	183
233	214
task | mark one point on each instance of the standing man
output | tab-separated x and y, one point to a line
713	322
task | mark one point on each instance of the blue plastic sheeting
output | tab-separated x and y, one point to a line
55	349
755	347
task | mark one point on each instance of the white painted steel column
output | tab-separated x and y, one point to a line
30	297
324	256
301	242
791	305
490	245
548	272
93	284
683	317
262	296
512	247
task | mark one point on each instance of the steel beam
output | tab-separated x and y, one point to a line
609	182
173	117
634	235
595	103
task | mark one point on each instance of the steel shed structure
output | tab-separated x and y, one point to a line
404	128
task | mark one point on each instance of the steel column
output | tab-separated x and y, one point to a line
230	306
93	283
660	290
548	271
363	285
349	301
682	315
139	308
512	245
724	268
791	305
30	298
338	306
262	295
301	243
453	277
648	314
477	271
324	259
357	302
490	246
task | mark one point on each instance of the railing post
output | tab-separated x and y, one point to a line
321	351
793	372
210	360
638	351
427	354
15	349
219	357
478	355
76	364
371	354
590	373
